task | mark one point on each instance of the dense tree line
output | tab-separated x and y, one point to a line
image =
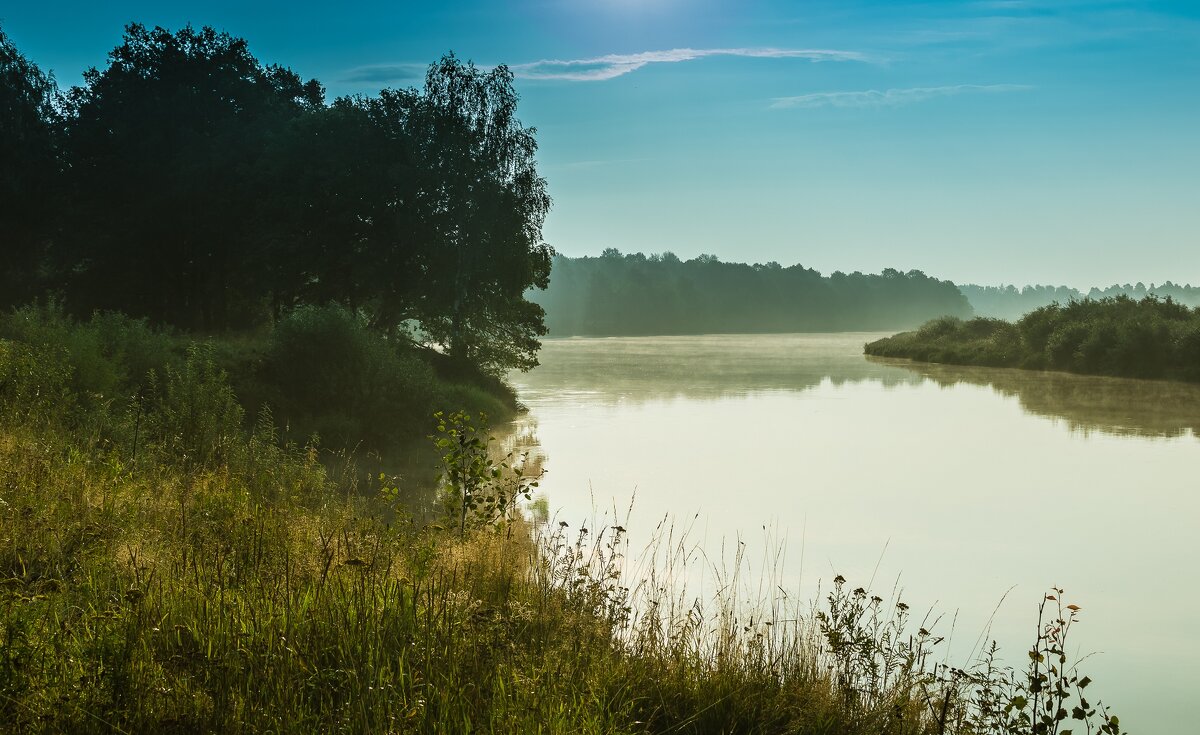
187	182
1010	302
1120	336
637	294
29	170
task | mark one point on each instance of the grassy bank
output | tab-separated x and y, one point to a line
1147	338
321	376
168	566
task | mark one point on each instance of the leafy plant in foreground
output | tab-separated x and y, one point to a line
876	666
479	491
1052	692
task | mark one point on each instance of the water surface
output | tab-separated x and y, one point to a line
956	484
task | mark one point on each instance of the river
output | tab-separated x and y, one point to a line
953	485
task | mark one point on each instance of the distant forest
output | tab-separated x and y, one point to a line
630	294
1010	302
638	294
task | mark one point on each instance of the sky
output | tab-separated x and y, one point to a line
998	141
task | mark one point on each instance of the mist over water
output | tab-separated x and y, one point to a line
951	485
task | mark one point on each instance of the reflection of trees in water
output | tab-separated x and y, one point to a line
1119	406
641	369
709	367
520	438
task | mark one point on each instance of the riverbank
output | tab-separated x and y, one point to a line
1120	337
167	569
320	376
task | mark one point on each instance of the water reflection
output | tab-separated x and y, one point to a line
972	480
1117	406
638	370
644	369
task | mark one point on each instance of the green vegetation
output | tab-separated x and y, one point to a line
187	183
321	373
166	568
28	169
635	294
1148	338
180	551
352	266
1009	302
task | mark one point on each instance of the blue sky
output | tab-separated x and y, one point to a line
992	141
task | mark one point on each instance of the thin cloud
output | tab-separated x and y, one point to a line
612	66
384	73
890	97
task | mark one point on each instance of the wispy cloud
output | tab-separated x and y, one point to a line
384	73
890	97
611	66
600	68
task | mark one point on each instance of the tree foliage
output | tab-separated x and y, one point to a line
166	145
1010	302
206	190
487	205
29	168
1121	336
636	294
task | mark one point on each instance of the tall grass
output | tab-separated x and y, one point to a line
165	569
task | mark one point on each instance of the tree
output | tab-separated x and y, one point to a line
29	169
482	205
417	208
166	145
205	190
335	227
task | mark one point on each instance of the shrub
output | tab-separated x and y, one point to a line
1063	344
192	413
1186	346
110	355
1150	338
329	373
35	382
941	327
132	346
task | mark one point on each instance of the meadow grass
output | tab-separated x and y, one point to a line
164	568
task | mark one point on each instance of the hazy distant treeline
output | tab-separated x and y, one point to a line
638	294
187	182
1010	302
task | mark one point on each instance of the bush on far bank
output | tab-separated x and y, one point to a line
1119	336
